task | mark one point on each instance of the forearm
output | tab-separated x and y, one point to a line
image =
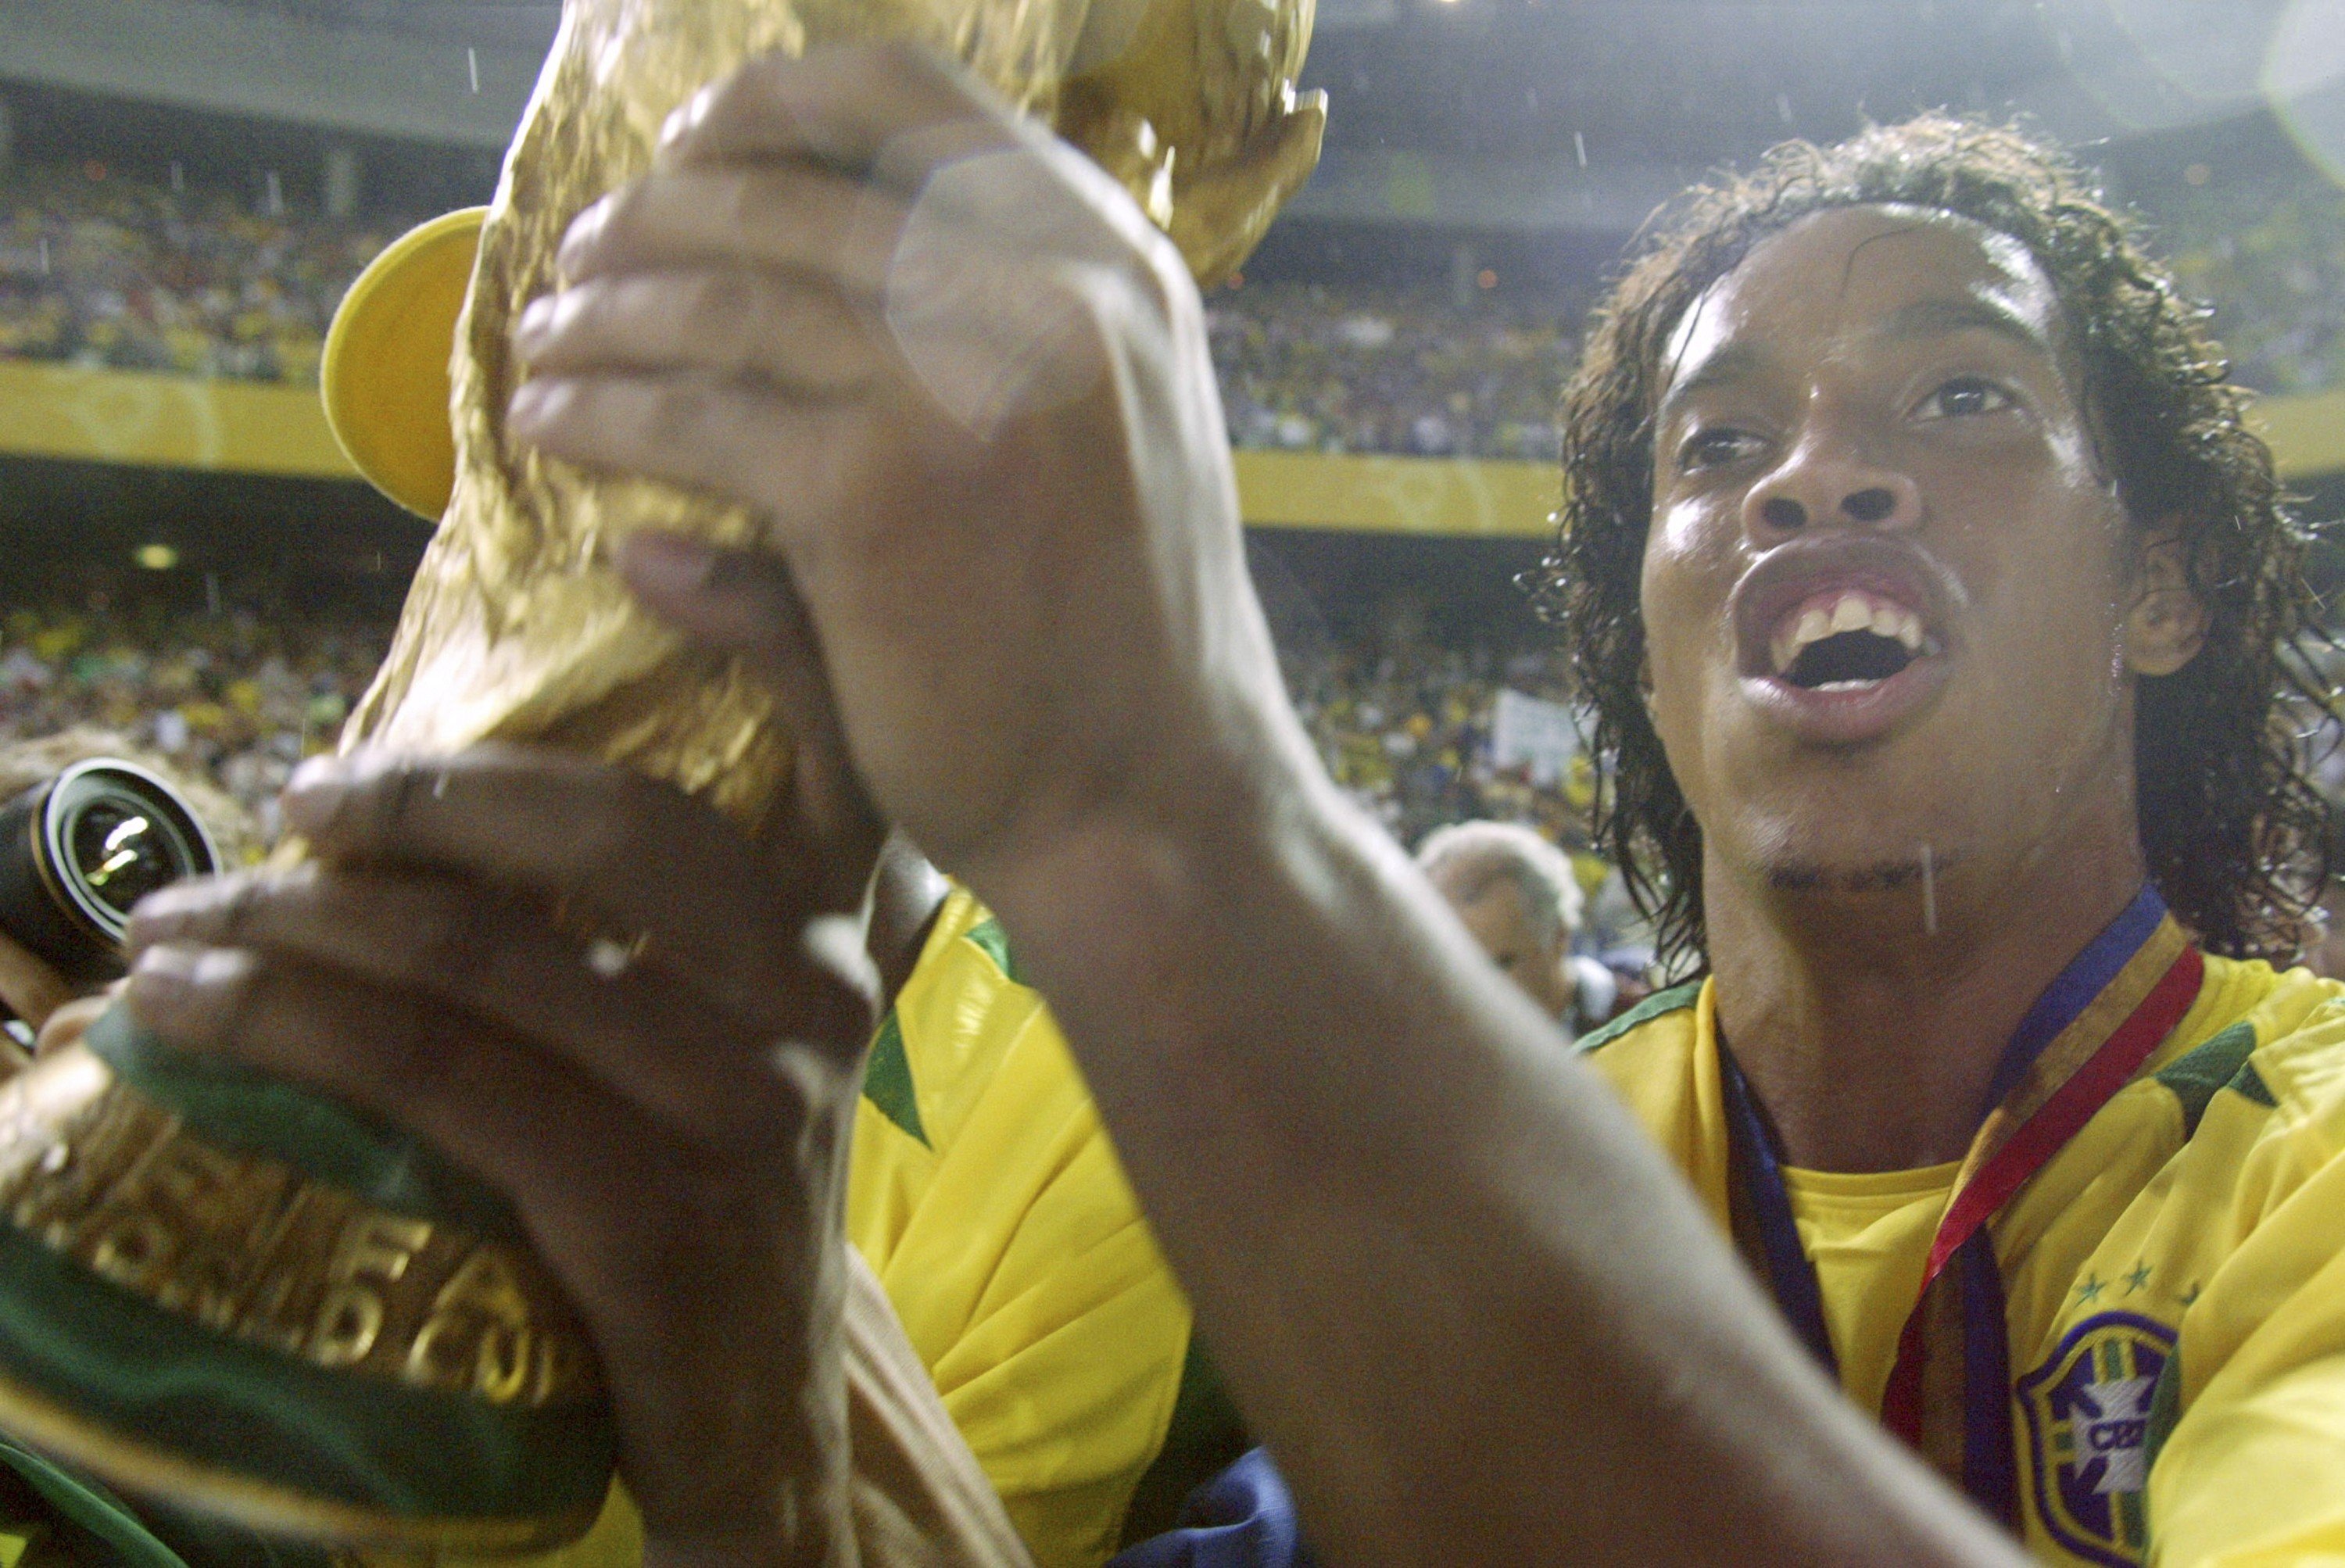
764	1478
1455	1286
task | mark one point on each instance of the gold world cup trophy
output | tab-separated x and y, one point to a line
239	1298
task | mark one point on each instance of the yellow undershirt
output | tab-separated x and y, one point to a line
1869	1238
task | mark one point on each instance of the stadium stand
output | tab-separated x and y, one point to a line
103	271
99	269
239	698
1307	368
241	695
2269	254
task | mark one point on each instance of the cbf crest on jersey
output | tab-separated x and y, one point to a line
2087	1410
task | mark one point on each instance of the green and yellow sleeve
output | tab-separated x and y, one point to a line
2247	1428
987	1197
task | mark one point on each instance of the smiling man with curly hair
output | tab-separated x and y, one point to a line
1937	606
2226	817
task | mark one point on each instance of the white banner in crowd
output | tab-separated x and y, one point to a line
1529	731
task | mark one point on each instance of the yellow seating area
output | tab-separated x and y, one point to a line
177	421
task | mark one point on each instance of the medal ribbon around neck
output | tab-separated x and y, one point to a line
2085	1038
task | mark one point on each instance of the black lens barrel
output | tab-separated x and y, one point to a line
48	901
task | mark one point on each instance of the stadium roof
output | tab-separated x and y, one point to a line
1498	114
521	24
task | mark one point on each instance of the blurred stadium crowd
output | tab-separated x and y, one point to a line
2271	257
1407	727
1304	368
239	697
101	268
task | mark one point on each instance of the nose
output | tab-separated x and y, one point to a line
1813	488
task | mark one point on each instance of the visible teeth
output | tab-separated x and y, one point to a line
1814	626
1851	612
1890	621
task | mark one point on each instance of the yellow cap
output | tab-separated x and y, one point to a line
385	373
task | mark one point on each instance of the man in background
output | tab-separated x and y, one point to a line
1517	895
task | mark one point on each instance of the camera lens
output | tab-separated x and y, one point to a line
121	850
78	852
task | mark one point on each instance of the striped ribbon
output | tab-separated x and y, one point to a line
2082	1041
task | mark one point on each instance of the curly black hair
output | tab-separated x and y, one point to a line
2232	830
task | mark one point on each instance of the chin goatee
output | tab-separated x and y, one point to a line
1883	876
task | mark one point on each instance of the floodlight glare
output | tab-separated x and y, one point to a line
2304	80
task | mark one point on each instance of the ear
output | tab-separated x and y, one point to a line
2166	625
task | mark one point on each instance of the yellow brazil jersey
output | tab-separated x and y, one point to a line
1869	1239
2173	1277
984	1194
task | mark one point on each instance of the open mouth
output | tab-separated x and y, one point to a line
1844	640
1841	639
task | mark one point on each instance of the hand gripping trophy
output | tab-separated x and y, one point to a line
225	1292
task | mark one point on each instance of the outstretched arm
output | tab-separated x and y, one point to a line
1468	1306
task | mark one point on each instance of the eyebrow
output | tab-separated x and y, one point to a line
1938	318
1734	362
1922	319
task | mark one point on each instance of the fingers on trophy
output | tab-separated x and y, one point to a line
242	1298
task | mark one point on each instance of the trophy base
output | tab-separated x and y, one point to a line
243	1303
140	1469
